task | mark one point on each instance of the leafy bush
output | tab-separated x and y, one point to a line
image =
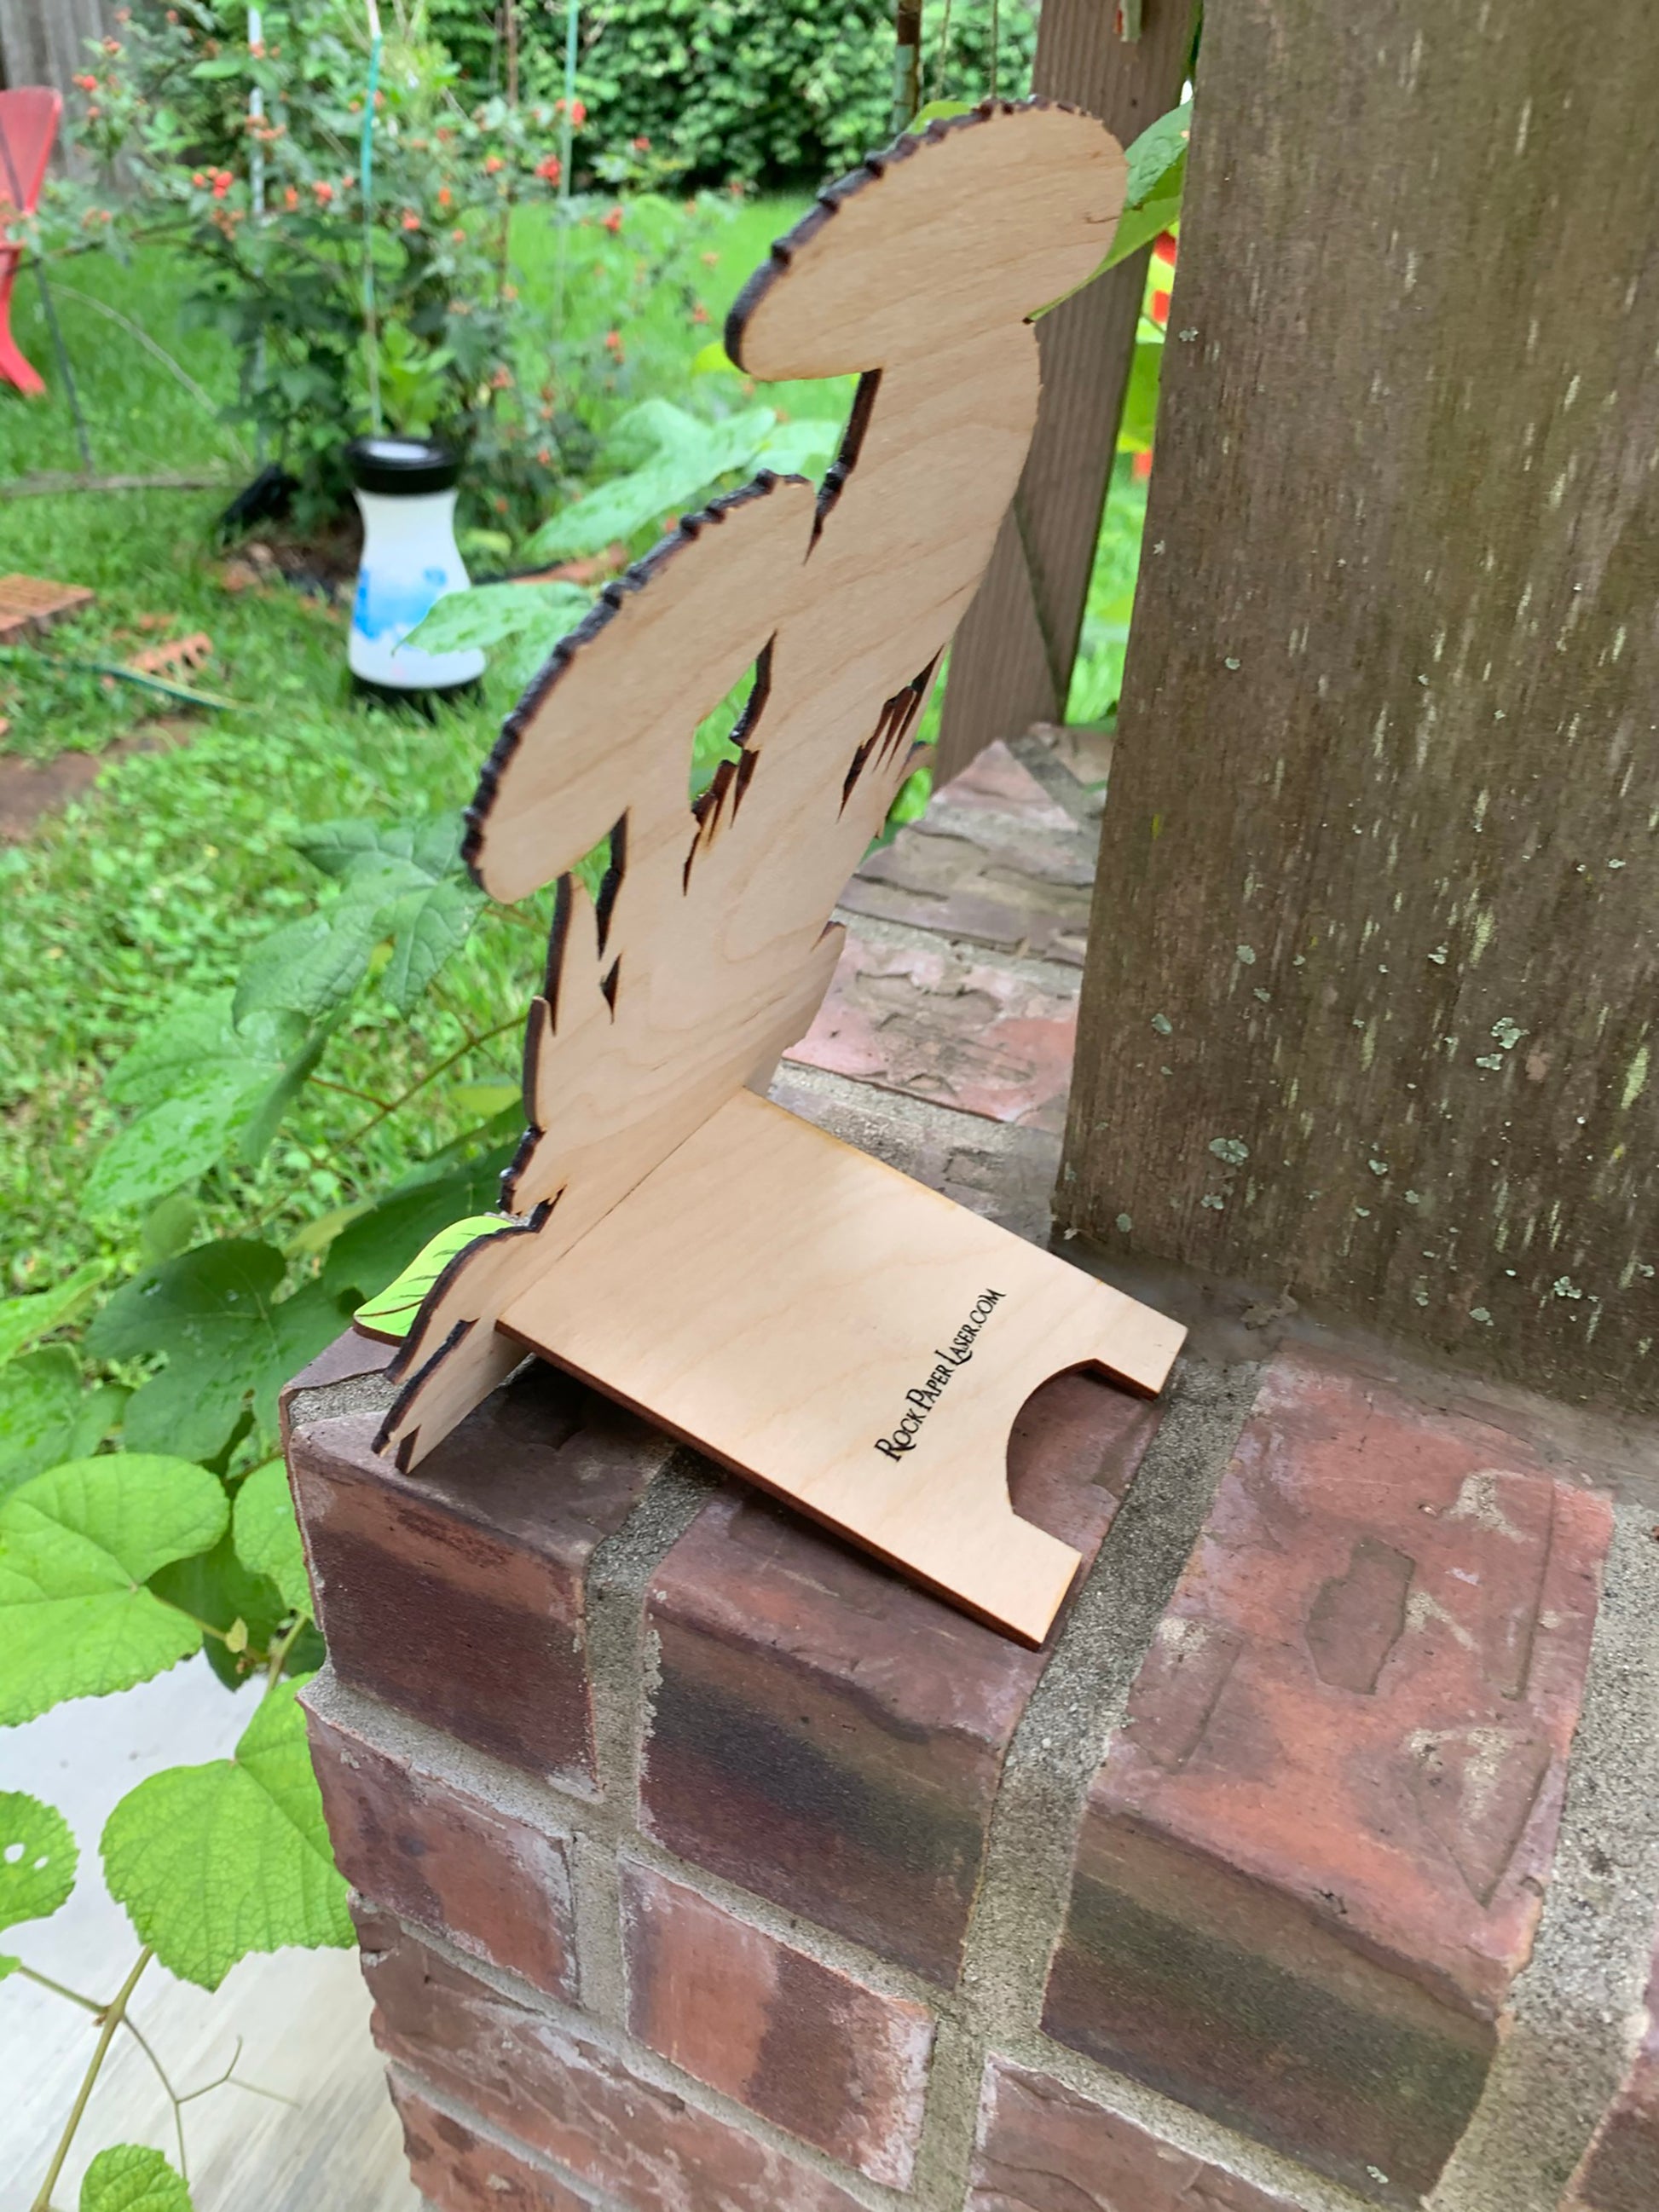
442	342
783	98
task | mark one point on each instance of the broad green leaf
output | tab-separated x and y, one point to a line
311	966
217	1589
268	1536
677	455
38	1859
433	843
938	111
489	614
46	1416
381	1243
24	1320
215	1315
127	2178
215	1861
392	1313
206	1084
76	1546
1161	147
1140	227
428	926
805	447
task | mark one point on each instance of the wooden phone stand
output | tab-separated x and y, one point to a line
841	1335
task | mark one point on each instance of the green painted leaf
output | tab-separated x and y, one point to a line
392	1313
127	2178
491	614
215	1313
379	1244
268	1536
23	1320
76	1546
938	111
45	1417
37	1858
215	1861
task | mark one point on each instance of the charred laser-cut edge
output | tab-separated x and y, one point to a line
897	719
708	807
829	201
610	600
397	1368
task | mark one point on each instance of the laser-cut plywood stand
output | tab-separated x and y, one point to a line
840	1335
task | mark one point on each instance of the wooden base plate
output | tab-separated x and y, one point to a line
845	1338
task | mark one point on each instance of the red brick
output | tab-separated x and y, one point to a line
349	1356
455	1592
567	2097
922	1019
1313	1862
432	1852
458	2168
826	2058
825	1734
1043	2148
1620	2171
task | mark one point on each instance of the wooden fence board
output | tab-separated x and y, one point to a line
1011	661
1374	959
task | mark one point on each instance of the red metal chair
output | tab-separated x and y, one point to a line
28	125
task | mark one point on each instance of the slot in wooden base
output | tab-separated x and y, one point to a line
845	1338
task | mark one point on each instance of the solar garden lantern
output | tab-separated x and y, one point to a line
406	489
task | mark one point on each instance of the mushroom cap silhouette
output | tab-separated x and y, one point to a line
992	215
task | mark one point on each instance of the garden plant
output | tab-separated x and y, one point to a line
263	1036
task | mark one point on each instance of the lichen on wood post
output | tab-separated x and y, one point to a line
1369	1014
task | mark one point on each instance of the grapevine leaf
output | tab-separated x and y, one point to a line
127	2178
37	1858
24	1320
219	1590
215	1313
45	1417
268	1536
215	1861
76	1546
493	614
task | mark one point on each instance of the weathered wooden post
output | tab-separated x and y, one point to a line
1369	1012
1011	661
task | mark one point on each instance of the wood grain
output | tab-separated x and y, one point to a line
752	1284
1010	663
816	1321
1370	1007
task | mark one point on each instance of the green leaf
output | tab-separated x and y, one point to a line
311	966
23	1320
38	1859
1160	149
205	1085
805	447
391	1314
432	843
429	925
215	1861
127	2178
1140	416
489	614
215	1315
1138	227
381	1243
679	457
76	1546
218	1589
938	111
268	1536
45	1417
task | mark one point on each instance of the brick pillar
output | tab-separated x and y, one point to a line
703	1865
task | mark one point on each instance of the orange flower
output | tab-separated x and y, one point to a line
613	222
642	145
613	344
412	220
446	198
290	199
549	169
700	314
492	163
323	191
